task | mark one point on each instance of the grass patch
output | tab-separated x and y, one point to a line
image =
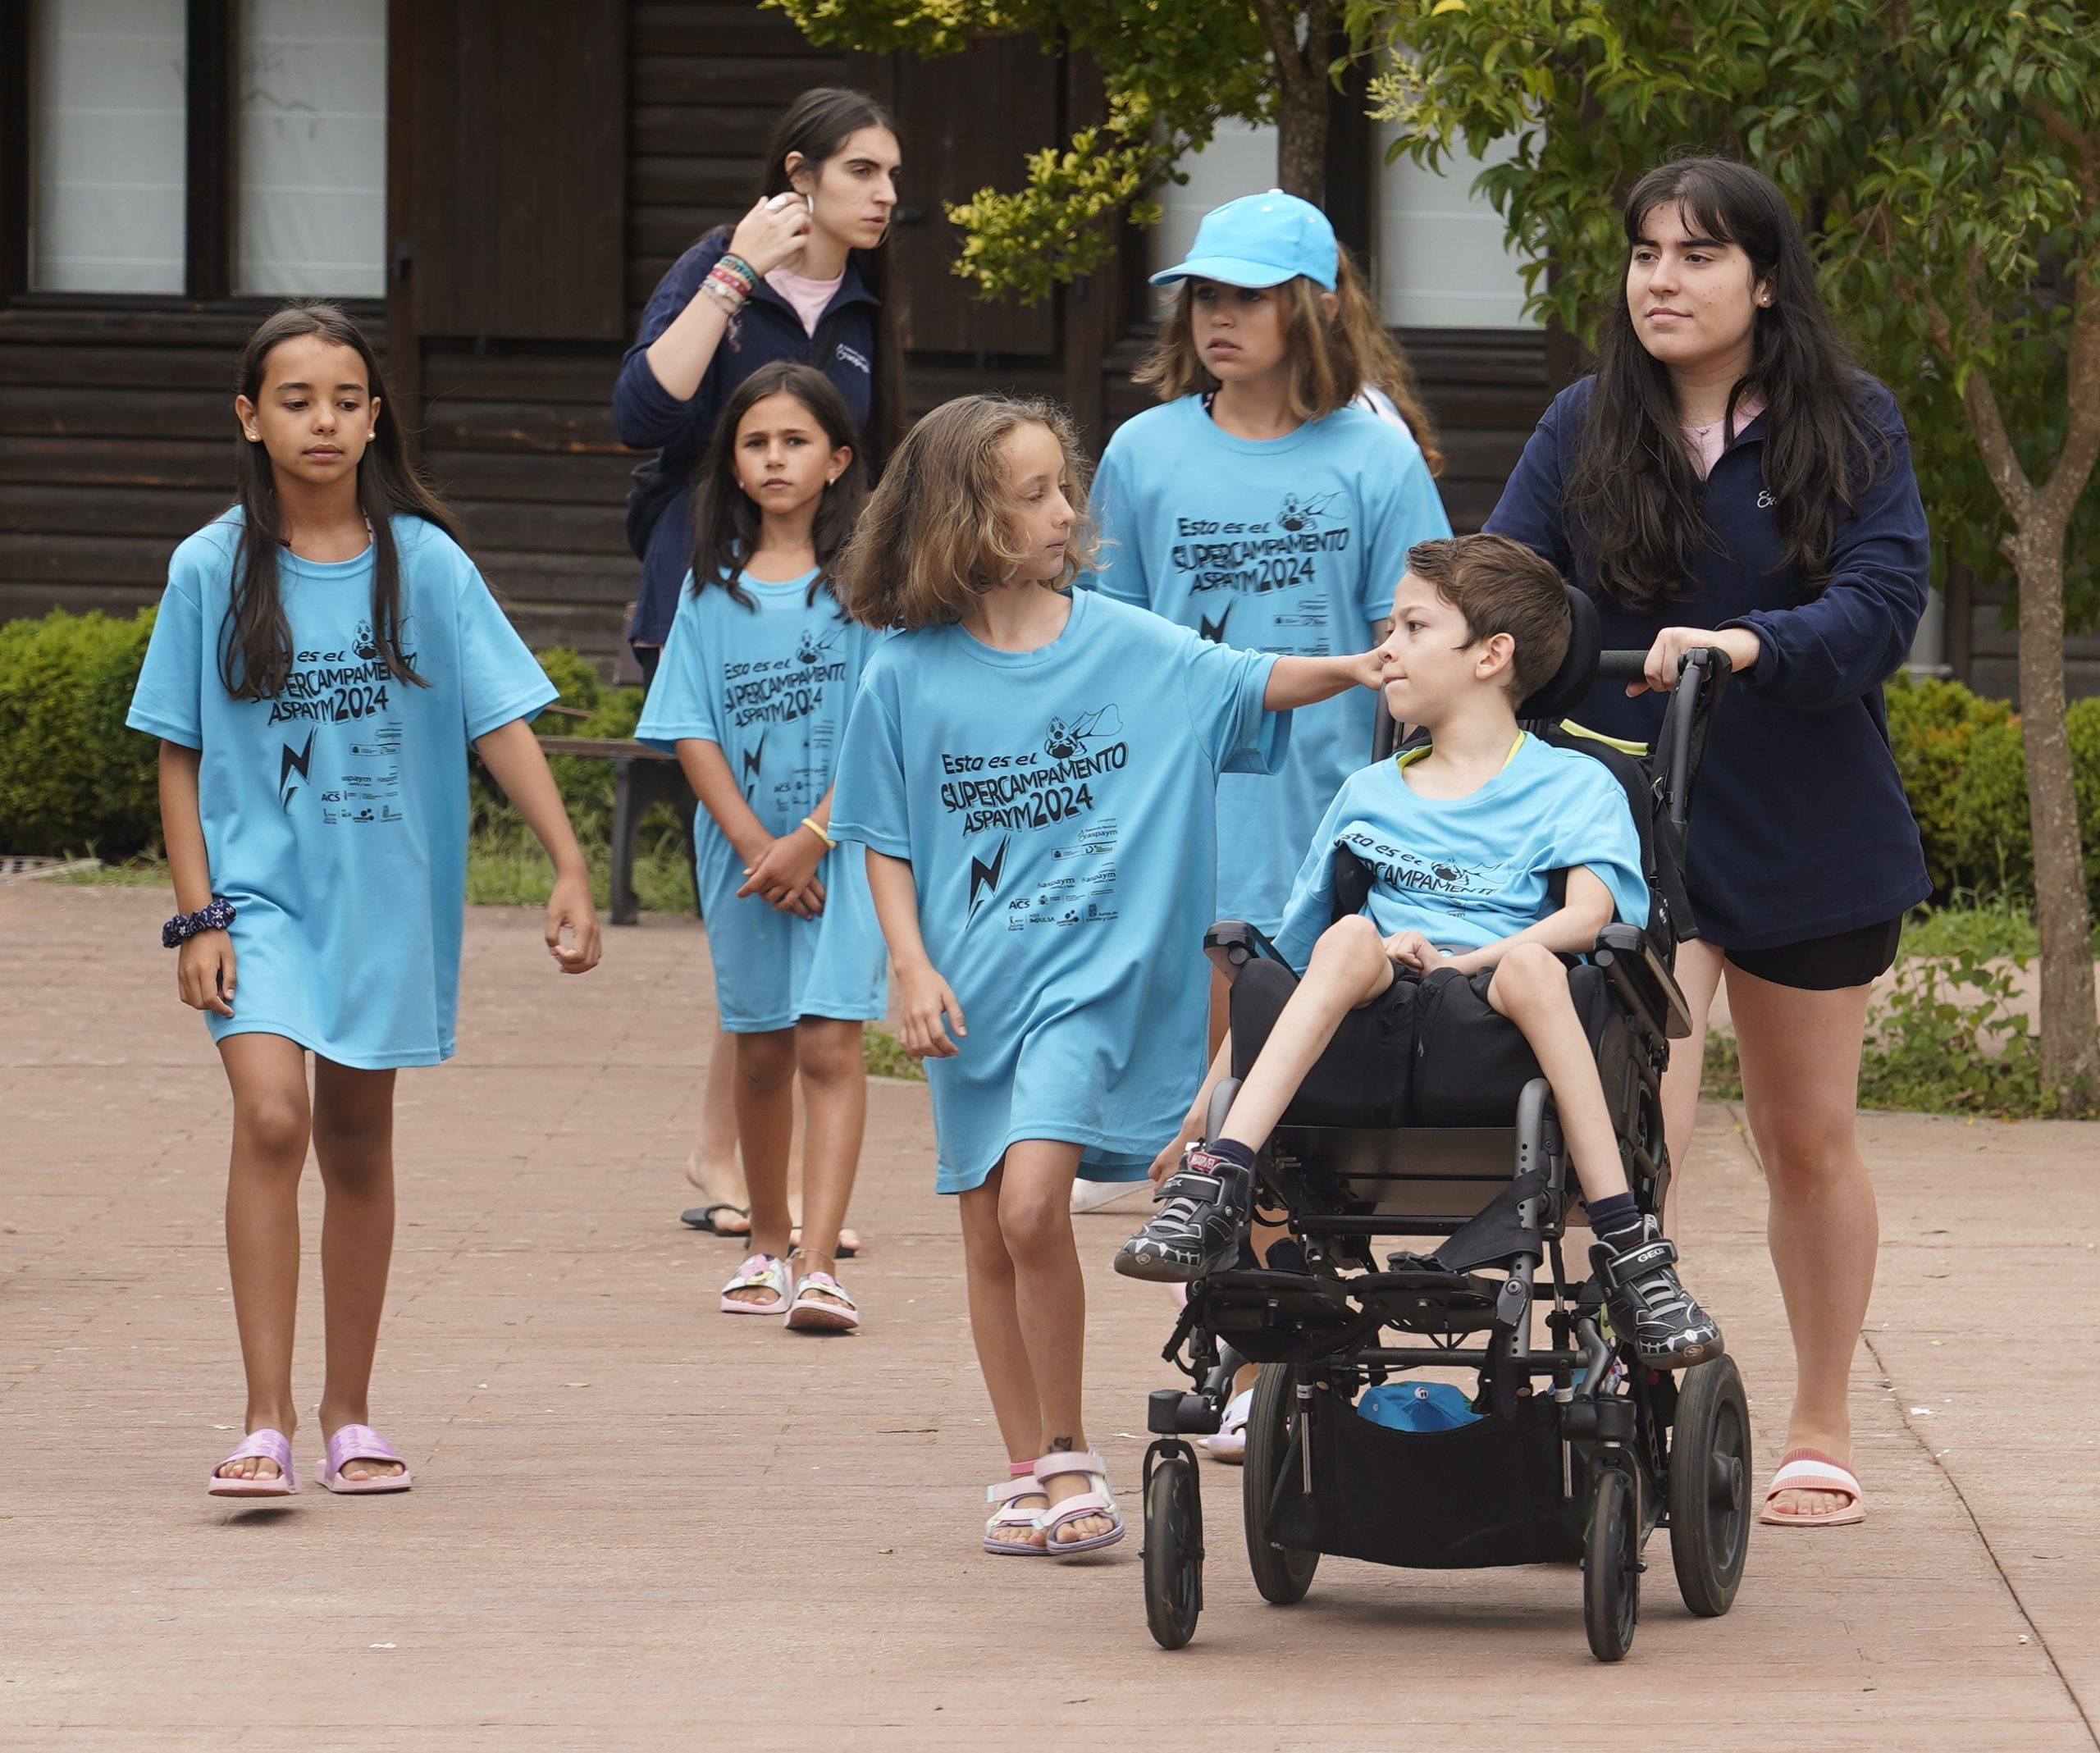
500	873
134	873
1721	1078
883	1055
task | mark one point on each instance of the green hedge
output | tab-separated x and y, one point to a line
71	776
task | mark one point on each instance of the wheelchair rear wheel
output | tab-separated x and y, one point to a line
1173	1548
1611	1565
1710	1486
1282	1573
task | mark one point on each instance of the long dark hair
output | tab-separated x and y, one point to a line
255	646
1633	491
725	522
817	125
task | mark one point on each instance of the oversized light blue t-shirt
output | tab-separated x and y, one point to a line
1055	807
770	686
1287	544
335	814
1471	870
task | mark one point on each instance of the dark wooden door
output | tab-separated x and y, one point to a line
968	121
507	185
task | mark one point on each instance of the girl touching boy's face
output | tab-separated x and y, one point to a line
784	457
315	412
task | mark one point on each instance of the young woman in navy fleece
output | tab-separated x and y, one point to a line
1728	478
802	278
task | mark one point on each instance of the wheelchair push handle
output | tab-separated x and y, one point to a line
1632	666
1700	673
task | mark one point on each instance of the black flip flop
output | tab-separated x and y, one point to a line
795	1240
702	1217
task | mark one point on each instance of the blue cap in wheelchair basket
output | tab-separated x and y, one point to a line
1416	1406
1260	240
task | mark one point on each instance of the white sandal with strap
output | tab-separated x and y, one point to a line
821	1305
761	1272
1097	1500
1008	1520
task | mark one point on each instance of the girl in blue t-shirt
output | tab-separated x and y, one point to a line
323	656
759	672
1261	509
1032	774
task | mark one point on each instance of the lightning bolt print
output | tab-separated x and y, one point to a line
1214	631
290	764
753	761
984	878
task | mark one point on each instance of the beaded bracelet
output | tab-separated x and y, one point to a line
215	917
722	293
741	270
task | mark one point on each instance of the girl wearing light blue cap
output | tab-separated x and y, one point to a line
1260	508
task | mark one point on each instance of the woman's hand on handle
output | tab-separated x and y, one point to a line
768	235
204	972
1739	645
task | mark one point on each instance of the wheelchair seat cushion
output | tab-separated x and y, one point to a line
1429	1051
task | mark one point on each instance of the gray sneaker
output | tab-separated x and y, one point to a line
1650	1306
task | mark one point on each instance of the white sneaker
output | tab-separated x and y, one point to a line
1092	1196
1229	1444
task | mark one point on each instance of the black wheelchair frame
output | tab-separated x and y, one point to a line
1584	1473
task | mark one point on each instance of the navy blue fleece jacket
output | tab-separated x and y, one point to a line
1801	829
647	417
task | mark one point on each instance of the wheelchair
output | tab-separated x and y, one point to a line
1586	1470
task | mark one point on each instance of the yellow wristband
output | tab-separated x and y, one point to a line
810	822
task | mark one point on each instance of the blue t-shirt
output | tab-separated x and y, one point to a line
1055	807
770	686
335	814
1287	544
1472	870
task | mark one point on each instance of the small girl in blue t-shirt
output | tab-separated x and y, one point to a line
756	679
1032	771
323	656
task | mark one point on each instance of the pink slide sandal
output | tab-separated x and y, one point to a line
1812	1470
360	1442
264	1446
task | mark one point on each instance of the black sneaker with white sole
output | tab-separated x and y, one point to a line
1650	1306
1196	1230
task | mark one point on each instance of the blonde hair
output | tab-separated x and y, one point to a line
939	530
1332	358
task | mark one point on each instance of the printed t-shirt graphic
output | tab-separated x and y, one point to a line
770	686
335	814
1467	871
1056	807
1287	545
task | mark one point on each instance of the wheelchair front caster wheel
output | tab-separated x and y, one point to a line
1709	1482
1611	1565
1173	1548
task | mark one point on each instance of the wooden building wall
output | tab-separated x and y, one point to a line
115	436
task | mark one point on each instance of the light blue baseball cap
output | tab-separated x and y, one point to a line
1260	240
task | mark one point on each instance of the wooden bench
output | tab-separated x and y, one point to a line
642	776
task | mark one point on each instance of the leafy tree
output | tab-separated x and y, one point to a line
1173	70
1946	159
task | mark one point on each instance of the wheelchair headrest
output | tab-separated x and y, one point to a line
1578	670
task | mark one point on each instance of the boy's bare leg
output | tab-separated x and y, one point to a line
1347	969
1530	988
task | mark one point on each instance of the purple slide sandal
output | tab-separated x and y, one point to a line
360	1442
264	1446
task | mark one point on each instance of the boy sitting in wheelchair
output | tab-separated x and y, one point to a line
1465	841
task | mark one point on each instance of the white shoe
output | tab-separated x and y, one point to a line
1229	1444
1092	1196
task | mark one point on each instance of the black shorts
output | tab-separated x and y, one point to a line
1427	1052
1857	957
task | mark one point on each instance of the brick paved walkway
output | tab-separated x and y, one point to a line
639	1524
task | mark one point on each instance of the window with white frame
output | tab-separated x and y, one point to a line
109	132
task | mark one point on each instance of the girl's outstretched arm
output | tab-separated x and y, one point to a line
512	753
782	871
1303	681
204	964
924	997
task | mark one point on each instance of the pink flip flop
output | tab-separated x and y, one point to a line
360	1442
264	1446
